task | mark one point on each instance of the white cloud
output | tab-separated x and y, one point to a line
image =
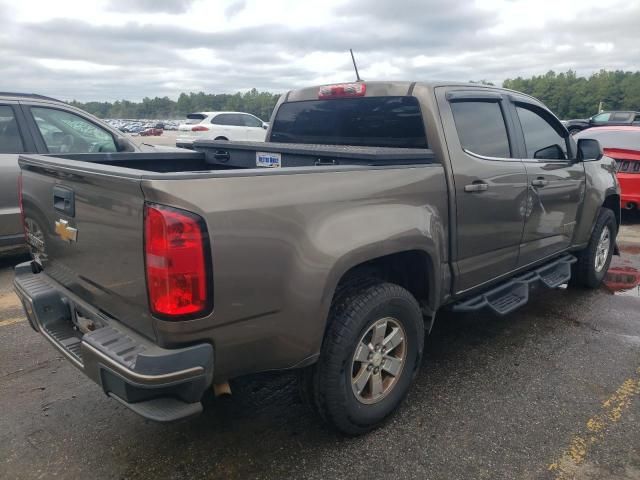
108	49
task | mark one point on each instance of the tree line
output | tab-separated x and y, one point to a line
258	103
568	95
571	96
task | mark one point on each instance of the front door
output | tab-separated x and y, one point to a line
490	184
556	183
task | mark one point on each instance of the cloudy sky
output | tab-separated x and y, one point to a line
113	49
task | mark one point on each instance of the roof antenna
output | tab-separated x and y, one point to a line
355	66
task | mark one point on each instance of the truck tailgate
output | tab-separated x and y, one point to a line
85	227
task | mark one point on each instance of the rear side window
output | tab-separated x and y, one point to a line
10	139
541	139
481	128
366	122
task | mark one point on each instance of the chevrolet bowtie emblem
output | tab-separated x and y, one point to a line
67	233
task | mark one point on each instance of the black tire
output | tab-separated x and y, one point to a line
585	272
328	383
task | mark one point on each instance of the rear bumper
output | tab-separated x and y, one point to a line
159	384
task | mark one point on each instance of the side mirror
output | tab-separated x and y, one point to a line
265	125
589	149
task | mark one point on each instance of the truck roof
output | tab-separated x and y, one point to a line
393	88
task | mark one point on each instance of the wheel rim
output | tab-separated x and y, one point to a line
378	360
34	232
602	250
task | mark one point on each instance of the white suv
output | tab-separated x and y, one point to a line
234	126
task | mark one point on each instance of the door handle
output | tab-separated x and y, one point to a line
477	186
540	182
64	200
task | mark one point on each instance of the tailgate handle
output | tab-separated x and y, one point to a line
64	200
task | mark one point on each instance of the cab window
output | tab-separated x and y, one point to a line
10	139
541	139
65	132
481	128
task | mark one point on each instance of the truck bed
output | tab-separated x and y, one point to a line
220	156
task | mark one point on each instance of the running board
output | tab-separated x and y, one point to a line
514	293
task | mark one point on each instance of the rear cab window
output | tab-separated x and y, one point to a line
10	138
389	121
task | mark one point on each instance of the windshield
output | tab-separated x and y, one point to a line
370	121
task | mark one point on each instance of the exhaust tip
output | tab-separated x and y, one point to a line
221	389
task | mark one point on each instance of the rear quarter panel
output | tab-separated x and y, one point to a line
281	242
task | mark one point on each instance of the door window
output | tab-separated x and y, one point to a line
250	121
481	128
230	119
601	117
541	139
10	139
621	117
65	132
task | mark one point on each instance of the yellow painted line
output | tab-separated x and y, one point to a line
11	321
8	300
566	467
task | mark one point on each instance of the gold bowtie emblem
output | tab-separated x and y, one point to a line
67	233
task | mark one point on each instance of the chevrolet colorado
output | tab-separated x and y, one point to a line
329	249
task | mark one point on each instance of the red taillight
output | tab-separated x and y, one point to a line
24	227
343	90
199	128
177	263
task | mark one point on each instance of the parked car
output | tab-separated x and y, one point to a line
235	126
603	119
623	145
328	249
37	124
151	132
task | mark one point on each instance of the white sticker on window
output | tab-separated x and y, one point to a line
268	160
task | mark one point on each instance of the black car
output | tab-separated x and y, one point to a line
602	119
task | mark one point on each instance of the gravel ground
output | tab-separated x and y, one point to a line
551	391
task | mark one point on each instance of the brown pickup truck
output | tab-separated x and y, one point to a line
329	249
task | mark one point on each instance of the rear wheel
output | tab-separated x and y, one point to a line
370	355
593	262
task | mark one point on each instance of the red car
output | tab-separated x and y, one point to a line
623	145
151	132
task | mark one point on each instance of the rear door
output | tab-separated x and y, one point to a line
14	139
490	183
555	182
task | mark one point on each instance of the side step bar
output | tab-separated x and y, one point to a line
514	293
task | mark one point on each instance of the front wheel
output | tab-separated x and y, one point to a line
593	262
370	355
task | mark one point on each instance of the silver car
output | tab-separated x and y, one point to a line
37	124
